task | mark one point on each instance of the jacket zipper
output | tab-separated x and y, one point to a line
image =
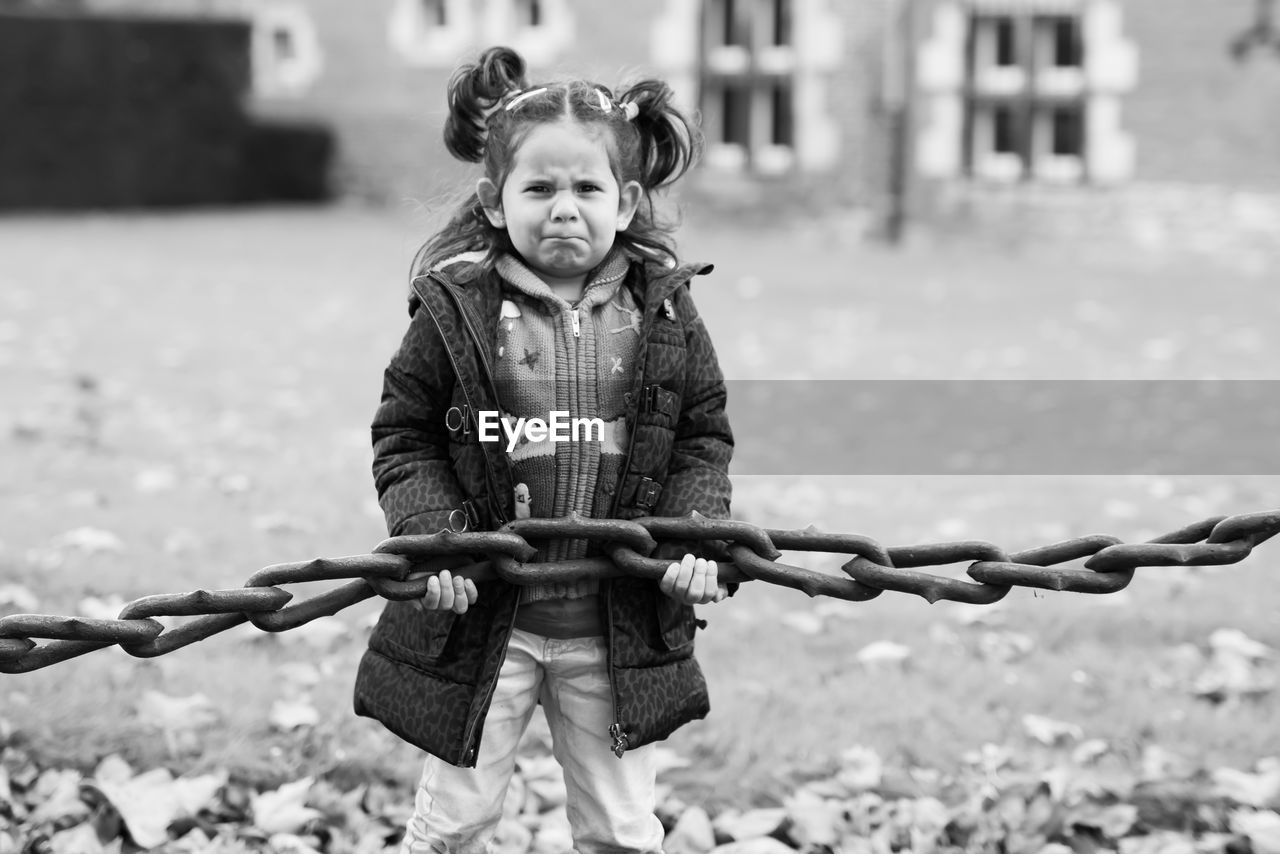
469	748
498	505
616	731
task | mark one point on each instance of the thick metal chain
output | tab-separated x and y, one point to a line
395	570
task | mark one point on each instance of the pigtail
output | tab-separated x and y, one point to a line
669	142
475	89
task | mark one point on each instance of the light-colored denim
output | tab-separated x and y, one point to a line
611	801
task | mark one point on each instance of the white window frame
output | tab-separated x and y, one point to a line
542	44
754	63
277	76
426	43
1032	88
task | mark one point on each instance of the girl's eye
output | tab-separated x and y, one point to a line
588	188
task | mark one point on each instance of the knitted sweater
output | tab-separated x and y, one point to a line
576	359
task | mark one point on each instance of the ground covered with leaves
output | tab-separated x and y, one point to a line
187	400
1058	794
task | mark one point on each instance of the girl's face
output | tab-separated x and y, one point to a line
560	203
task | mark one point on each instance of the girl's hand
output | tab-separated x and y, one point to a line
693	582
446	592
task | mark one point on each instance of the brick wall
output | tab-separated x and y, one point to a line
1197	115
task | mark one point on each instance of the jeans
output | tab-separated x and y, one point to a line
611	801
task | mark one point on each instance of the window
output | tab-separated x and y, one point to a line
435	13
529	14
430	32
540	30
748	70
285	50
1026	97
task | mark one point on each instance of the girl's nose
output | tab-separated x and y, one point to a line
564	210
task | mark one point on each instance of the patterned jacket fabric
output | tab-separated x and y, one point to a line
429	676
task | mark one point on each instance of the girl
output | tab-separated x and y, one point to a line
553	289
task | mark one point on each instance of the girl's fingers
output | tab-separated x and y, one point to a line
711	584
460	601
431	599
684	577
449	592
446	590
694	581
697	583
668	583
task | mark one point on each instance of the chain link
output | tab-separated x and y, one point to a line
398	569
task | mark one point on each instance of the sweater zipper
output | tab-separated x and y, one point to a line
577	324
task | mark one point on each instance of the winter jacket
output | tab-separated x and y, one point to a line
429	676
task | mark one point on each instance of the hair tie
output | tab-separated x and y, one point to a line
630	109
515	102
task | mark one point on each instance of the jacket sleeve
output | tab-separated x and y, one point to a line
698	474
416	484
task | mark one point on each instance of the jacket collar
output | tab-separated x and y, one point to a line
601	286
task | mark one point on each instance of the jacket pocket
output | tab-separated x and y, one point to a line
676	623
413	634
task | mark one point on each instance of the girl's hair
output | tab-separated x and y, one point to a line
492	108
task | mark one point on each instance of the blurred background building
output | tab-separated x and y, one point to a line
1155	121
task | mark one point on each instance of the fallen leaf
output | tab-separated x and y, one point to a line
1004	646
284	810
1050	732
803	622
288	843
299	674
1089	751
57	798
147	804
153	480
288	715
750	824
198	793
884	653
319	634
1162	842
1260	827
837	609
90	540
1258	789
815	821
101	607
176	713
22	599
1114	821
282	523
667	759
81	839
113	769
860	769
1236	642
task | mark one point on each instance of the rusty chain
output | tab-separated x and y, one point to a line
395	570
